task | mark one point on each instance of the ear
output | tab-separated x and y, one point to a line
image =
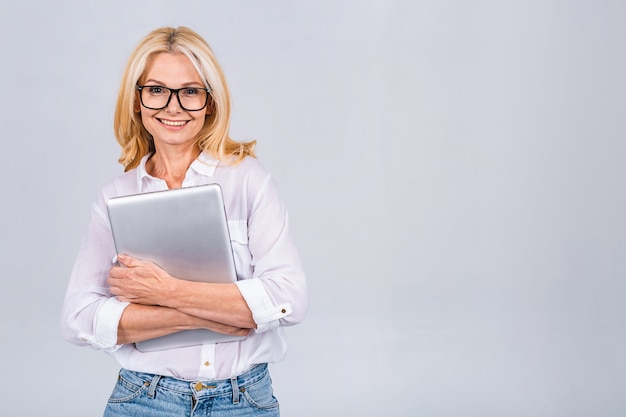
209	107
137	105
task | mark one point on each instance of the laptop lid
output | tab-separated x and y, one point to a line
185	232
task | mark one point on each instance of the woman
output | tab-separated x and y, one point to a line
172	122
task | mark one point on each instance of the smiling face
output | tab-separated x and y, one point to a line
172	126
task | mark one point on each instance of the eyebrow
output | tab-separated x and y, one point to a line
189	84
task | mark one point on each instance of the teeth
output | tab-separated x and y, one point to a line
172	123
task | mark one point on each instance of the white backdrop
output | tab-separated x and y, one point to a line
455	176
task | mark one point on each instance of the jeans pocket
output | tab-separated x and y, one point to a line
260	395
126	391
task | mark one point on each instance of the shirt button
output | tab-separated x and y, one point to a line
283	311
207	363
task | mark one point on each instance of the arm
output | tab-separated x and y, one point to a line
271	291
142	283
142	322
275	286
93	316
90	314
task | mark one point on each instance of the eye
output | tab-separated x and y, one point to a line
156	90
190	91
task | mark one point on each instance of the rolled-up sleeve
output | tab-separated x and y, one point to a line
277	293
90	315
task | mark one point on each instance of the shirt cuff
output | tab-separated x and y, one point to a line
106	324
265	314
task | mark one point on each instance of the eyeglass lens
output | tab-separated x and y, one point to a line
158	97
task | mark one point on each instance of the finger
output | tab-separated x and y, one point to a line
116	286
128	261
111	280
117	272
113	287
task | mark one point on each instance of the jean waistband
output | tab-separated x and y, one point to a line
197	388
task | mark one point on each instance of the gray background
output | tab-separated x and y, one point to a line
455	176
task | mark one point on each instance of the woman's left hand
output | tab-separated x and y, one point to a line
139	282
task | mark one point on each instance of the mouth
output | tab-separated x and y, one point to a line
173	123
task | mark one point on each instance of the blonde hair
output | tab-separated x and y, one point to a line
214	138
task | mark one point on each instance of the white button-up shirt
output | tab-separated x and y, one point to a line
269	271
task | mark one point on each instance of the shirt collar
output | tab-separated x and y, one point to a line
203	165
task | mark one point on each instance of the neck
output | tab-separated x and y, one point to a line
171	164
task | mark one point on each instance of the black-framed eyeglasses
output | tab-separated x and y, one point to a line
157	97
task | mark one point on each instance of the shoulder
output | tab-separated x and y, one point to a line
125	184
242	183
251	166
249	171
122	185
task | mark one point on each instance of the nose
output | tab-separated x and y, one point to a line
173	106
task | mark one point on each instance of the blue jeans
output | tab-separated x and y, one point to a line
139	394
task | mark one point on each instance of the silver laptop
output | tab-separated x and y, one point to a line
185	232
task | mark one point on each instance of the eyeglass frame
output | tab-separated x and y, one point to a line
172	92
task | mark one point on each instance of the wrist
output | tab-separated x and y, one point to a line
171	290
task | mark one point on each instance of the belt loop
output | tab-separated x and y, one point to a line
153	386
235	386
